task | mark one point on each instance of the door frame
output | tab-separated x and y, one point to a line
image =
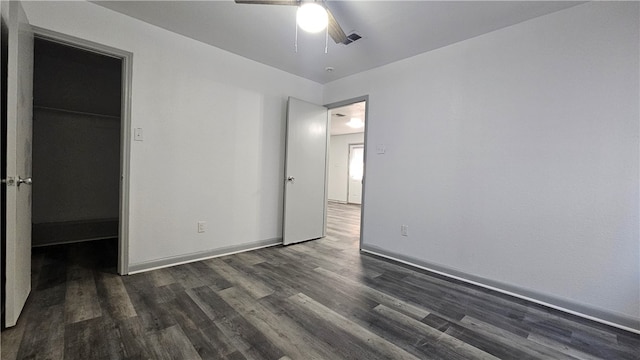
4	41
353	145
337	104
125	127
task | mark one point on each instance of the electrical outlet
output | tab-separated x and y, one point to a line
404	230
202	226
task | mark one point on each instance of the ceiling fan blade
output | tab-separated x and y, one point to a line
269	2
335	31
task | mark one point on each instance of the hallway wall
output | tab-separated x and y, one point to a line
338	176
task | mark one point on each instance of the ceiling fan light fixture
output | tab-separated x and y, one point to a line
312	17
355	123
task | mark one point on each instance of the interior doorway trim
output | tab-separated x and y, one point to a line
125	126
354	100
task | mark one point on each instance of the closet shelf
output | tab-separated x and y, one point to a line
75	112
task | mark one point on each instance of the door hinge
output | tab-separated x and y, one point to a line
10	181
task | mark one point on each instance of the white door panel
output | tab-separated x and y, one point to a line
305	172
19	129
356	172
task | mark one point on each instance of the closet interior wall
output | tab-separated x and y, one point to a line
76	144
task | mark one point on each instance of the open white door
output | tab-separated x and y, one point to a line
19	126
356	171
305	172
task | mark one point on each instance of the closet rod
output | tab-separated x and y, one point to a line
75	112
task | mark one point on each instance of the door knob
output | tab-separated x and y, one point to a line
290	179
26	181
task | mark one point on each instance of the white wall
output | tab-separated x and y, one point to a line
214	134
519	158
338	177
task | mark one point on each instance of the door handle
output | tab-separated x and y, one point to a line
291	179
26	181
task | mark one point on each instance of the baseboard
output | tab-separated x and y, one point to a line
202	255
588	312
64	232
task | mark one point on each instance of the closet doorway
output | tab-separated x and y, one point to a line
77	123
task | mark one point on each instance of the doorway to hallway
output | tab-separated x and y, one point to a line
346	153
346	167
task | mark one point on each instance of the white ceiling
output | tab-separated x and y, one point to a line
339	123
390	30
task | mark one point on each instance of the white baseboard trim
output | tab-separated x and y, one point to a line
202	255
595	314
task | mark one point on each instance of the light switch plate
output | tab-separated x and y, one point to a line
202	226
137	134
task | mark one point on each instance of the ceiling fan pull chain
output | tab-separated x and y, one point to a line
326	40
296	44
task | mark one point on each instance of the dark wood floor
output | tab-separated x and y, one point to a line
316	300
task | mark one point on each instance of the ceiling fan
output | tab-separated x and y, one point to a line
314	8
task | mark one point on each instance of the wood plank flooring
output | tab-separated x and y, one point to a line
320	299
